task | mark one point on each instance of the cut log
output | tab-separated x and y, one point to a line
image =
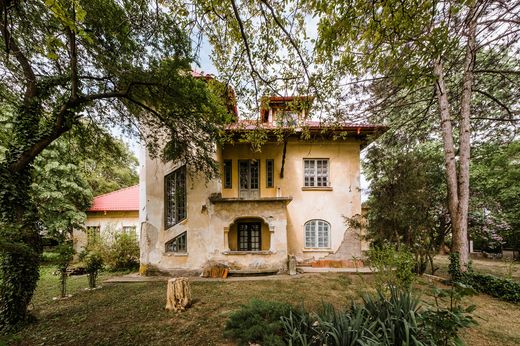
178	294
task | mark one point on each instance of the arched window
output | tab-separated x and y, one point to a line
317	234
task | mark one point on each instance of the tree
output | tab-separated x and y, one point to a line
495	194
62	195
407	203
430	58
105	62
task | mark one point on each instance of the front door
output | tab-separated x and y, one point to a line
249	236
248	172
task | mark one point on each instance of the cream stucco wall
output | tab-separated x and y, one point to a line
109	222
210	221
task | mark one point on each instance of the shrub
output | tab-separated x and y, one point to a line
259	322
122	253
444	323
505	289
392	268
93	264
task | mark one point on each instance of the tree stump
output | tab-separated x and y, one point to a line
178	294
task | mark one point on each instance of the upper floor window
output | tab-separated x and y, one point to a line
316	172
175	196
317	234
178	244
228	171
269	167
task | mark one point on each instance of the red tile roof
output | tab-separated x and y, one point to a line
126	199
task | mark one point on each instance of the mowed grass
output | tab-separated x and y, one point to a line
133	314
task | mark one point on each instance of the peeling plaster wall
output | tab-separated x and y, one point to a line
208	223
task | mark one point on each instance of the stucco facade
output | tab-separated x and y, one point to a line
290	198
213	211
109	223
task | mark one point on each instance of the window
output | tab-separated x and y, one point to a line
175	197
93	235
177	244
317	234
130	231
269	167
228	170
316	172
249	236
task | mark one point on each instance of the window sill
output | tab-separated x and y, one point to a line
318	250
317	188
176	254
264	252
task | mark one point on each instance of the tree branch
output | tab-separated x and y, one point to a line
497	101
12	45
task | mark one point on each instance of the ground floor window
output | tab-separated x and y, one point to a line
317	234
249	236
178	244
131	231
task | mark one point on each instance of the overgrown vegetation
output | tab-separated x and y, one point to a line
392	267
502	288
393	318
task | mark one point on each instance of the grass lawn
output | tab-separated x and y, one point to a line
123	314
496	267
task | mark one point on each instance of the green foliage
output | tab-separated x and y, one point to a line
407	203
93	260
65	251
259	322
448	316
456	274
122	253
494	214
392	268
394	319
505	289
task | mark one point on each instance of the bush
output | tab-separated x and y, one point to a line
505	289
396	318
93	264
119	251
392	268
122	253
259	322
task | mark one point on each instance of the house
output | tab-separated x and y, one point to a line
288	199
110	213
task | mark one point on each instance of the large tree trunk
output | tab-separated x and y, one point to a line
458	184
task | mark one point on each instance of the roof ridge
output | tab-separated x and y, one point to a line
111	192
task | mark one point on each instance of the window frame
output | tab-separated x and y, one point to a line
316	236
131	231
315	176
177	239
269	171
228	164
176	218
249	242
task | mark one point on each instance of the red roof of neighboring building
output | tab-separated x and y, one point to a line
126	199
